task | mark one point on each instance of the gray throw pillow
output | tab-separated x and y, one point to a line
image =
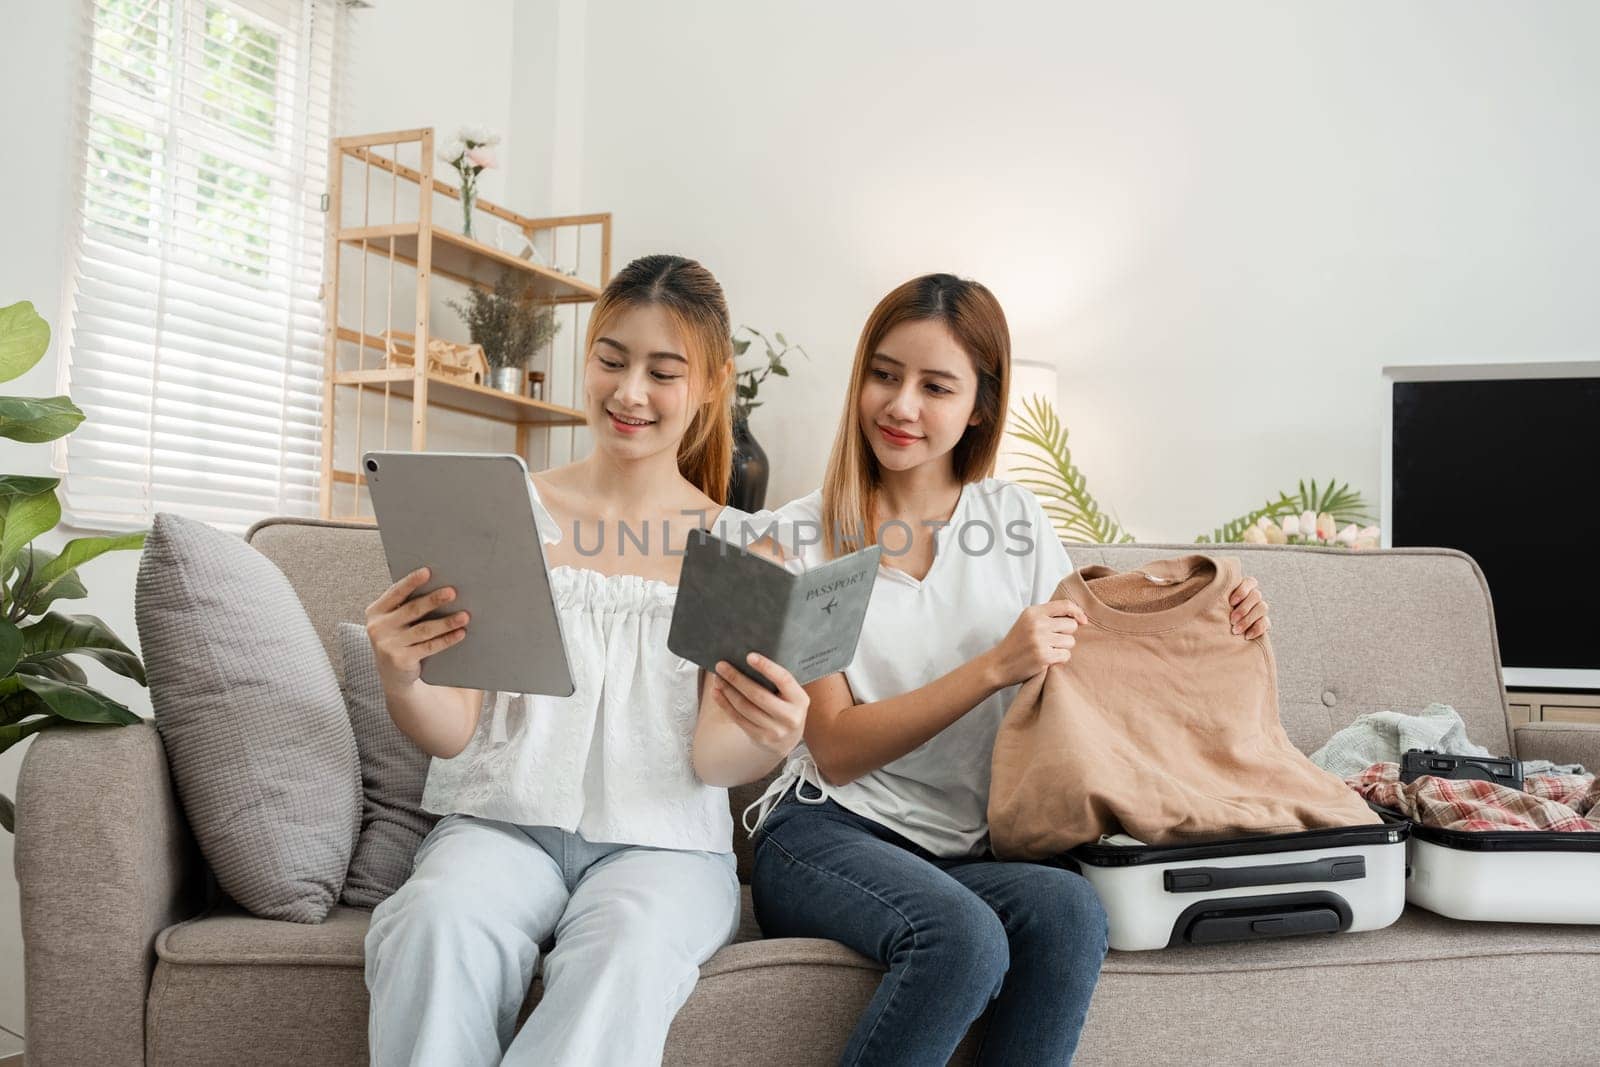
393	772
252	719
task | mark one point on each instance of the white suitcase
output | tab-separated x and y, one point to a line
1508	876
1346	879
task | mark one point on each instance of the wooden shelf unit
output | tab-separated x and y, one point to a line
428	250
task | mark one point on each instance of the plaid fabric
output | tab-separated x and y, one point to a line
1547	802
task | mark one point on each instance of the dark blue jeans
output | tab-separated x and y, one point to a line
954	935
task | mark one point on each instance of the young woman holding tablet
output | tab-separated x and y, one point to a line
874	835
599	820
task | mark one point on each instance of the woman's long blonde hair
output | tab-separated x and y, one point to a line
693	300
974	318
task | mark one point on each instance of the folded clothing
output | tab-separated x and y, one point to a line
1566	802
1385	736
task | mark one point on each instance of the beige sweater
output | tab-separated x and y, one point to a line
1163	725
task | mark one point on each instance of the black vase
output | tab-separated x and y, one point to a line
747	485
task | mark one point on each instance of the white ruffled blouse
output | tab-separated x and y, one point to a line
612	761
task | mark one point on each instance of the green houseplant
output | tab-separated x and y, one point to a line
40	685
1300	517
748	381
747	482
1310	516
509	326
1053	476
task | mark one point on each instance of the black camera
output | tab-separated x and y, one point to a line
1420	762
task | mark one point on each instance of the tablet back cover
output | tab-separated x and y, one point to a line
453	518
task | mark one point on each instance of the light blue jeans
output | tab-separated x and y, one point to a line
450	956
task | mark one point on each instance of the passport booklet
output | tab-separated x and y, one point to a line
732	602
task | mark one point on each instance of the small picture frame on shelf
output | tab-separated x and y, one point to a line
515	240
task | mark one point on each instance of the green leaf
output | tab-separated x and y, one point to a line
17	703
56	635
10	735
740	348
25	485
77	703
780	370
22	518
60	668
68	587
11	643
1232	531
781	340
24	339
81	550
1050	473
33	419
1340	501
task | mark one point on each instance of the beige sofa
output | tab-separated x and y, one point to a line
130	959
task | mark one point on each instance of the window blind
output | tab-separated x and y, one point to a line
194	340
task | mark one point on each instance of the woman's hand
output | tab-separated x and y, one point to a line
399	640
774	722
1249	611
1041	637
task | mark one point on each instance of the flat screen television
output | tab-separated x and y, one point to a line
1502	461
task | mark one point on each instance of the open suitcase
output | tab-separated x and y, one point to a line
1345	879
1508	876
1528	876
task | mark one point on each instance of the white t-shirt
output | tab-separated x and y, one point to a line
997	555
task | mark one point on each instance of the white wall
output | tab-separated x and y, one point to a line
395	81
1220	219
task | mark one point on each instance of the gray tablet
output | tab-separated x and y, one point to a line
468	518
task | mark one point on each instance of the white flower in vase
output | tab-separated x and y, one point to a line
477	136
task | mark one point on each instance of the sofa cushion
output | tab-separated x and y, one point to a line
794	1000
393	772
249	711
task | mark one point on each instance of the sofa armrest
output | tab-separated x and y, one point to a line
104	862
1560	742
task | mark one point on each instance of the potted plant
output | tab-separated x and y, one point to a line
747	485
1334	516
510	327
1331	515
40	687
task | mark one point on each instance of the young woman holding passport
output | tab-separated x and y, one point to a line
598	820
875	833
